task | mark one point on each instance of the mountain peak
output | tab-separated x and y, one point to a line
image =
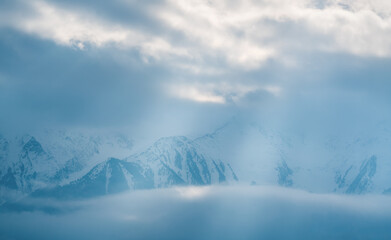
173	139
32	145
112	161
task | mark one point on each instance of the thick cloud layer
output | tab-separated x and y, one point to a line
206	213
187	67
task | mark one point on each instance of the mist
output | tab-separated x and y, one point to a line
214	212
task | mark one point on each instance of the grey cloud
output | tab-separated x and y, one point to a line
42	79
43	83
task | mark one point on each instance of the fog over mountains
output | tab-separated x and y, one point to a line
75	165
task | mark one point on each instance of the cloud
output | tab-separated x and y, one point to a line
178	63
210	28
79	29
243	34
194	94
219	91
214	212
71	28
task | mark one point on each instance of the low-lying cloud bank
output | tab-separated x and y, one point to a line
229	212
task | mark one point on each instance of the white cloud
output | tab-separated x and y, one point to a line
212	32
80	29
72	29
362	32
204	37
249	32
218	92
196	94
239	34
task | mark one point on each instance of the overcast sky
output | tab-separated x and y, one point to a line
178	67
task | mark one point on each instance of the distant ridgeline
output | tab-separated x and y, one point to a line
170	161
65	165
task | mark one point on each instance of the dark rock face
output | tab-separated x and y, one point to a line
112	176
363	181
9	180
284	175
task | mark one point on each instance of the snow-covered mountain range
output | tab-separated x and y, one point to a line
169	162
343	163
72	164
75	165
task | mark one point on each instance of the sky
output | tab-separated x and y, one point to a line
186	67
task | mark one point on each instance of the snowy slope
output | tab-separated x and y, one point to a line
176	160
169	162
52	157
111	176
31	166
